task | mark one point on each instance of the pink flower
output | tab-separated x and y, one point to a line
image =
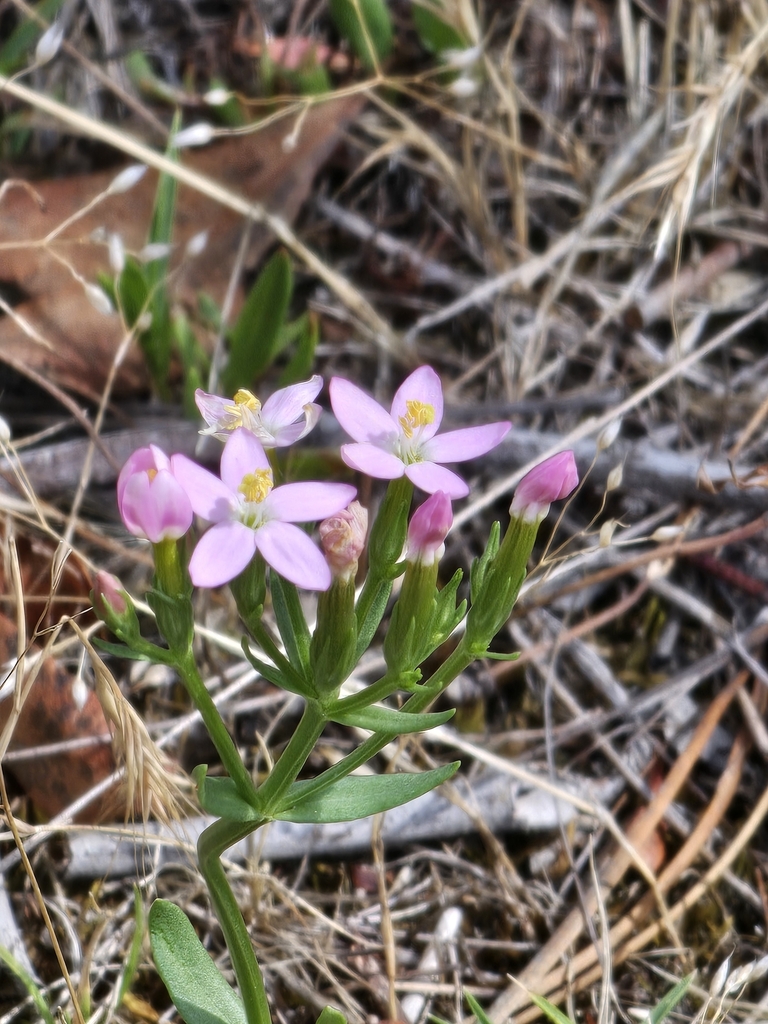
551	480
251	515
403	440
152	503
108	591
286	416
428	529
343	539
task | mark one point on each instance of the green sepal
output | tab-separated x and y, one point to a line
479	568
249	589
388	720
220	797
254	339
198	989
369	617
333	647
291	622
357	796
492	656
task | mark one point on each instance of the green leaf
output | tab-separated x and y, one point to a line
123	651
132	290
365	24
379	719
306	333
436	35
219	796
550	1010
666	1005
254	340
291	623
477	1009
331	1015
199	991
357	796
134	953
29	983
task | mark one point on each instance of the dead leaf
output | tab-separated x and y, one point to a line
54	306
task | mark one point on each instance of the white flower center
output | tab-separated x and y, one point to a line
254	487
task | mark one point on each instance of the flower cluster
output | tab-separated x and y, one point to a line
158	496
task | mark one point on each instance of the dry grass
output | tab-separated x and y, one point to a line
580	241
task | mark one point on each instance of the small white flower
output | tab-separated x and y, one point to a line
608	435
126	179
463	87
49	43
217	97
199	134
197	243
99	299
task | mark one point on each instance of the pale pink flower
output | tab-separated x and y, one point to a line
286	416
428	529
152	503
405	440
251	515
551	480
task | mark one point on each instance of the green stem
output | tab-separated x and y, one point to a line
293	758
223	742
213	841
379	690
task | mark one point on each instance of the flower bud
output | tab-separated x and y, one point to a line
114	607
428	529
152	502
552	479
343	538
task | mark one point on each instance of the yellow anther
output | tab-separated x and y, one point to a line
419	415
249	400
256	486
151	473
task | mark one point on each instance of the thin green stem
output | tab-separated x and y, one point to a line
213	841
379	690
293	758
218	732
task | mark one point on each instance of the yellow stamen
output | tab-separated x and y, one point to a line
257	485
419	415
151	473
249	400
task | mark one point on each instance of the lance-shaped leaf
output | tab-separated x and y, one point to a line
379	719
357	796
199	991
219	796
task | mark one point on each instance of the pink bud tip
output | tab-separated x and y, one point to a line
429	527
551	480
343	539
108	593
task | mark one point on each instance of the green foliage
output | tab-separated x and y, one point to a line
550	1010
134	953
199	991
255	340
357	796
331	1015
477	1009
221	798
666	1005
367	26
379	719
29	983
436	35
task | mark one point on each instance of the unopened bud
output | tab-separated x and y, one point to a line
551	480
608	435
126	179
343	539
199	134
108	594
428	529
49	43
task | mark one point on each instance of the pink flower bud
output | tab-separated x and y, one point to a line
552	479
152	502
428	529
343	539
108	594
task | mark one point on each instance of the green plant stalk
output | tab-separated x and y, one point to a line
214	723
213	841
293	758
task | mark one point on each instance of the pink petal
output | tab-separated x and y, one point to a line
423	385
209	497
307	502
459	445
133	500
243	453
361	416
287	404
291	553
367	458
138	462
169	511
221	554
286	435
431	477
